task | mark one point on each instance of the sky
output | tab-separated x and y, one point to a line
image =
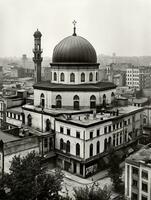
120	26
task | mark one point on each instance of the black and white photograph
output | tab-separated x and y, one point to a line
75	99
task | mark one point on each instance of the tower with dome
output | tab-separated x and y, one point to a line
73	114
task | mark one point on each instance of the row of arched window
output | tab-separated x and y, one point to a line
66	147
76	101
72	77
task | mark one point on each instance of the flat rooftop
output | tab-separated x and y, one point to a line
7	137
17	109
141	156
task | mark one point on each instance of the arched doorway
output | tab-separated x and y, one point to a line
76	102
58	101
92	101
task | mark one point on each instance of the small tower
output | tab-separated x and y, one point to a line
37	55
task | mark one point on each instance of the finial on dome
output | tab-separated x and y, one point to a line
74	28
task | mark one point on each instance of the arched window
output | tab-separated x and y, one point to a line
29	120
76	102
91	150
48	125
98	147
62	77
96	76
144	121
72	77
58	101
61	144
91	77
83	77
104	100
42	100
55	76
105	144
77	149
68	147
92	101
112	97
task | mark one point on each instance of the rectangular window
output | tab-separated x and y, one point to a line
77	134
145	174
129	121
117	125
134	196
18	117
61	129
68	131
98	132
134	183
105	129
10	115
91	134
120	124
144	187
14	116
144	197
45	142
135	170
113	126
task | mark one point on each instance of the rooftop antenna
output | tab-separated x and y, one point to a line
74	28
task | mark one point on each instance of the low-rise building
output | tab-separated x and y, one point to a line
138	175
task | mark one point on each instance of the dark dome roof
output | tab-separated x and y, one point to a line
37	34
74	49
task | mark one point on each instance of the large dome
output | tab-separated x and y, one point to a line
74	49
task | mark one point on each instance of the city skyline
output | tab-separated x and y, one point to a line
120	26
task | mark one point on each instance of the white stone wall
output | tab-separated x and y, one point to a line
67	97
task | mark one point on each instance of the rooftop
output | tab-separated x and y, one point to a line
141	156
7	137
17	109
100	86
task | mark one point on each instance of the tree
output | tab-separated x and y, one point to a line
28	180
92	193
115	172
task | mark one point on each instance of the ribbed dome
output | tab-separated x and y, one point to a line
74	49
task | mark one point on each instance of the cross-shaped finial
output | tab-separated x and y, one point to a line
74	28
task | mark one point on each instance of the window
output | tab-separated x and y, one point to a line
96	76
42	100
68	147
82	77
113	126
134	183
61	129
144	197
105	129
45	142
76	102
48	125
77	134
58	101
72	77
114	140
61	144
77	149
129	121
109	129
91	77
91	134
145	174
91	150
29	120
92	101
14	116
134	196
55	76
18	117
135	170
62	77
120	124
10	115
68	131
144	187
98	132
98	147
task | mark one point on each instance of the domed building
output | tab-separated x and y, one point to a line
69	113
74	78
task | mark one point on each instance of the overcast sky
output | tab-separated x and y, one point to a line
120	26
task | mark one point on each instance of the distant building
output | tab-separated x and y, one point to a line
138	77
138	175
